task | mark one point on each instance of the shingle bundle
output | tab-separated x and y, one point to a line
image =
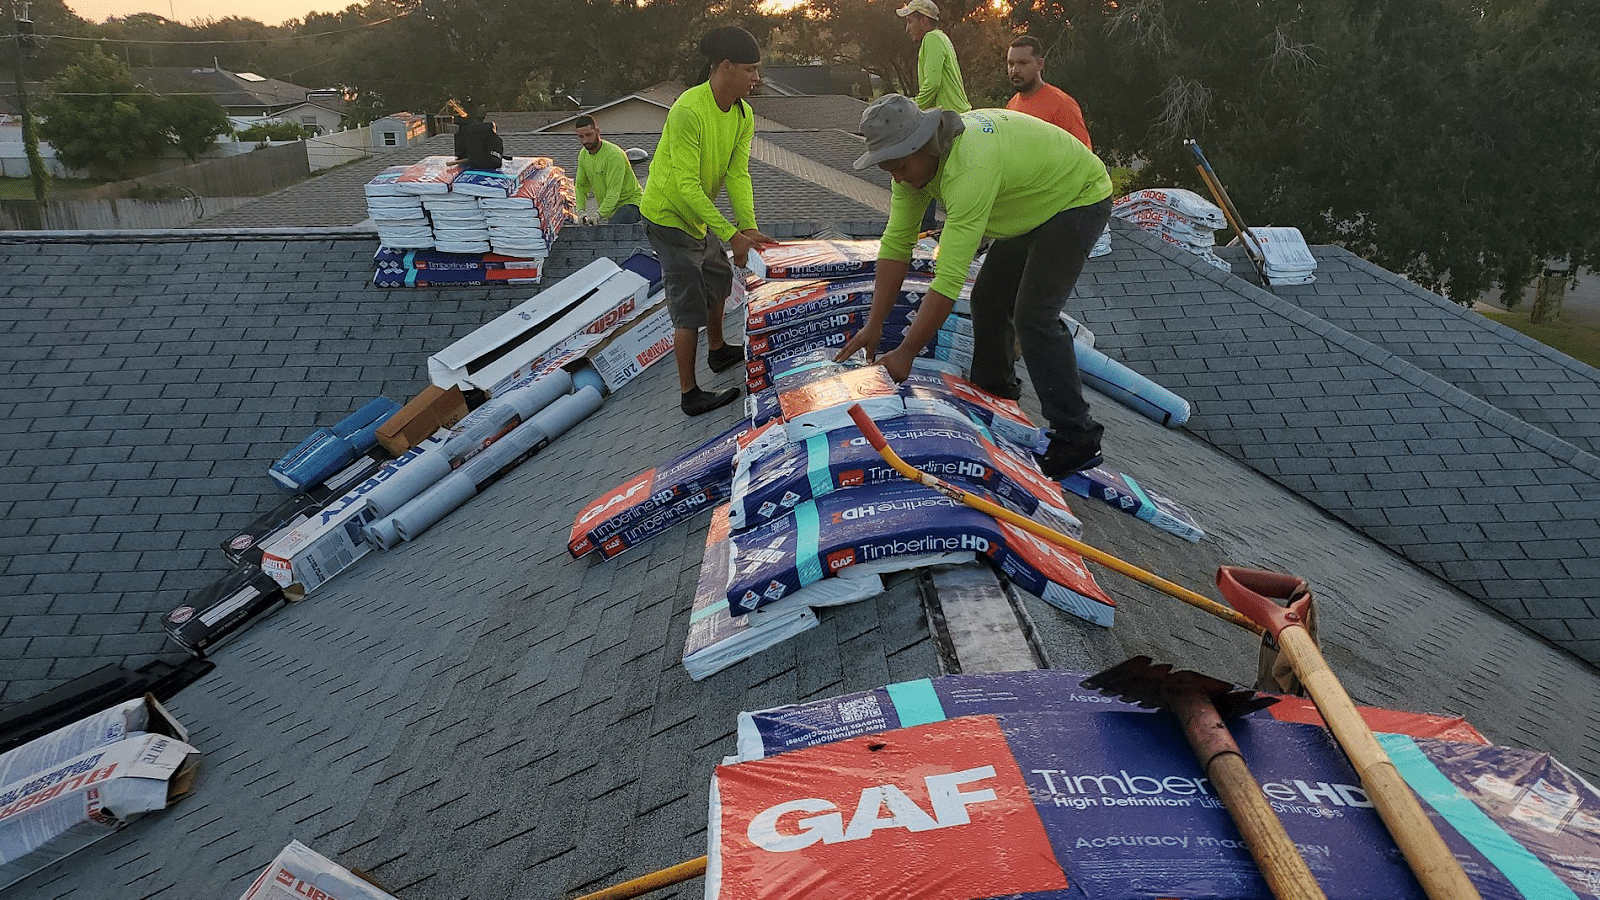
438	205
1180	217
1287	259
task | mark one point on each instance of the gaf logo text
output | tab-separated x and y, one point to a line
798	824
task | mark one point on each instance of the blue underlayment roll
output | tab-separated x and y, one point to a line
456	488
588	376
1129	388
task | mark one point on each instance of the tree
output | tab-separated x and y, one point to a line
276	130
1440	140
193	123
98	119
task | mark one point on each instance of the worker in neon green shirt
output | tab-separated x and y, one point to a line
938	70
604	168
1044	198
705	146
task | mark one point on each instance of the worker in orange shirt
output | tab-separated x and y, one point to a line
1025	67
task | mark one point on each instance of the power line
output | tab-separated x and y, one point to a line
265	40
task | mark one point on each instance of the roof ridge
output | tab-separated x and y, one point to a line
804	167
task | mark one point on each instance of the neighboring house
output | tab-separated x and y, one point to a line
398	130
816	80
808	111
643	111
249	98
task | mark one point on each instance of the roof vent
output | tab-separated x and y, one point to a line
250	76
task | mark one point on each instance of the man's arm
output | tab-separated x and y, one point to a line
610	184
930	65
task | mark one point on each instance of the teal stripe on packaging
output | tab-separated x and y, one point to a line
1520	867
915	702
817	465
411	277
1138	492
982	428
807	549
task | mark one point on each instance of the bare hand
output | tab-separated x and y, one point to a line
745	241
867	339
898	362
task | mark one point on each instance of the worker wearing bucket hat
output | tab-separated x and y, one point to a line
1044	198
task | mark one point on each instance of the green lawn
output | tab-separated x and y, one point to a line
58	188
1581	342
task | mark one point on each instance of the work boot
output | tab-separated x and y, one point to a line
725	357
1066	455
698	402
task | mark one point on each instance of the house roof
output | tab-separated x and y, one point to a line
783	184
474	714
231	90
520	121
830	111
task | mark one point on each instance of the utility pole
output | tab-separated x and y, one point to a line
30	136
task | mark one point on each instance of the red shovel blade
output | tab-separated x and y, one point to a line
1272	600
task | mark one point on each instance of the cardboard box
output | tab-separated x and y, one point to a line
310	554
245	545
592	300
78	784
213	614
299	873
633	347
426	413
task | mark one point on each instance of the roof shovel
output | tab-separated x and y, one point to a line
1278	603
1201	704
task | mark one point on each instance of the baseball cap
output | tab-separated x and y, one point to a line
926	7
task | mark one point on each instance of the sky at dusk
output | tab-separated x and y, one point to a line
270	12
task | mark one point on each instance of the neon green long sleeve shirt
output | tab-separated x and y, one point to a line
702	150
939	74
1004	176
609	175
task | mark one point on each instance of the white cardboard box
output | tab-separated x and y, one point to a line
634	347
299	873
72	800
313	552
593	299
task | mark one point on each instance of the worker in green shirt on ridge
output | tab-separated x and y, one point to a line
938	70
1044	198
604	169
705	146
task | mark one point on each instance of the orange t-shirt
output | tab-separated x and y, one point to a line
1055	106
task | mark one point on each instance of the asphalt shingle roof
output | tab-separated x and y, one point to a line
811	112
476	715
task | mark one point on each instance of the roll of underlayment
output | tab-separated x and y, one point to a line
481	427
588	376
1131	389
484	427
456	488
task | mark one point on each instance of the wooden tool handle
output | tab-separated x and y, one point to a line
644	884
1280	862
1436	868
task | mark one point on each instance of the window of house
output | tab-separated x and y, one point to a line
308	120
390	139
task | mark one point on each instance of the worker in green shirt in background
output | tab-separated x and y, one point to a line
1044	198
604	168
705	146
938	70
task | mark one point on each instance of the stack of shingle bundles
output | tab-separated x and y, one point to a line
810	500
397	214
787	318
1287	258
1182	218
500	183
458	223
397	267
526	221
